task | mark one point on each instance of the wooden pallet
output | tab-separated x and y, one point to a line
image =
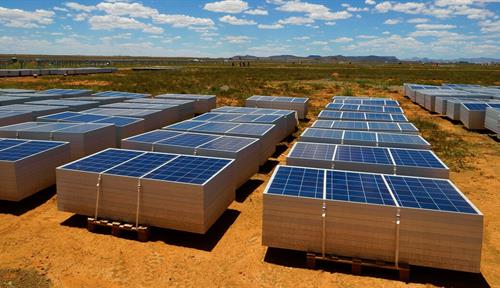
117	228
357	264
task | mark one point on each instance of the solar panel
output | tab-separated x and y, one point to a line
298	182
141	165
102	161
400	138
228	143
117	120
476	106
154	136
85	118
18	152
399	118
424	193
313	151
189	140
251	129
378	117
417	158
215	127
189	169
7	143
59	116
357	187
186	125
323	124
353	116
371	155
206	116
360	136
323	133
407	127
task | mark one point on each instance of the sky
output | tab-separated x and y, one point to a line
437	29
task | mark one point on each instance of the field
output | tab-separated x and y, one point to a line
41	246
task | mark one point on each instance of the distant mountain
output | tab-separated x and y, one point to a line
319	58
479	60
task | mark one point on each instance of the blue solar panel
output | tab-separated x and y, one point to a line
189	140
103	161
323	124
353	116
225	117
312	151
247	118
7	143
323	133
476	106
383	126
227	143
206	116
24	150
360	136
60	116
371	155
186	125
378	117
357	187
400	138
399	117
330	114
297	181
390	109
118	121
251	129
141	165
434	194
356	125
215	127
85	118
334	106
371	108
417	158
494	105
407	127
189	169
266	118
351	107
154	136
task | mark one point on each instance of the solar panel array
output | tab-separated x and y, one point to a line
17	149
127	95
395	127
372	101
298	104
236	129
361	116
364	108
77	117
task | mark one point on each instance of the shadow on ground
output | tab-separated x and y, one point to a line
420	275
205	242
28	204
247	189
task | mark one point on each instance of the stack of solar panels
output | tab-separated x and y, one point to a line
244	151
202	103
168	113
364	108
127	95
103	100
66	93
290	115
37	110
492	120
8	100
364	138
187	193
361	116
124	126
397	161
153	119
278	120
299	104
441	105
28	166
16	91
71	105
392	127
186	107
472	115
428	97
371	101
401	219
14	117
266	133
410	90
84	138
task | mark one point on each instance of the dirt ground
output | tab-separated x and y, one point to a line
40	245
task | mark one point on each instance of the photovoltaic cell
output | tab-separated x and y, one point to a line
360	136
357	187
60	116
154	136
24	150
189	140
312	151
251	129
186	125
85	118
323	133
476	106
298	181
7	143
228	143
215	127
188	169
118	121
417	158
399	138
371	155
141	165
424	193
103	161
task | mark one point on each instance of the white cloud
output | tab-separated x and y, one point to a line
434	26
79	7
237	39
257	12
179	20
136	10
392	21
301	38
417	20
236	21
366	36
330	23
61	9
313	11
342	40
111	22
489	26
81	17
227	6
270	26
295	20
370	2
319	43
18	18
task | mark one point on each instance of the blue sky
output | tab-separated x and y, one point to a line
435	28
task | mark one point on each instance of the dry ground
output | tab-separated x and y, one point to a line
40	245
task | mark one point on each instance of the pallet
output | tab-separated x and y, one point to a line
117	228
357	264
